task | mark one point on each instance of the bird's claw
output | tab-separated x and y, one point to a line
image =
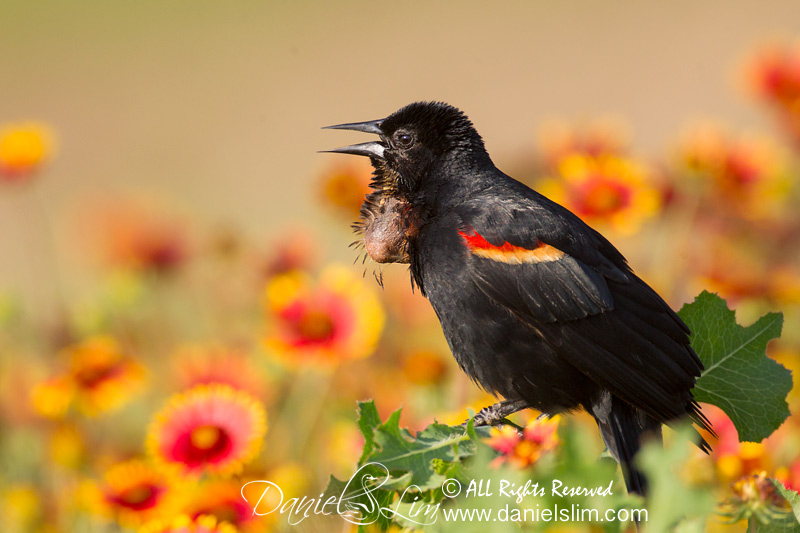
485	417
497	413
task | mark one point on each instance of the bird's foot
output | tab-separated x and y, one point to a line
496	414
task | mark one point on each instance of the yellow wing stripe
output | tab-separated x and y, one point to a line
508	253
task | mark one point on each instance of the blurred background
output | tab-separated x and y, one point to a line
217	110
166	221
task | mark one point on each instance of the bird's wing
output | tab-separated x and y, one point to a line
527	256
556	274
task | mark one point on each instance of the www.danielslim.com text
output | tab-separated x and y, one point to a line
571	513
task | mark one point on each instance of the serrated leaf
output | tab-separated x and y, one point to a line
738	378
368	422
360	506
409	469
791	497
397	449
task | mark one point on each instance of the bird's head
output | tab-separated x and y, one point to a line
416	143
416	139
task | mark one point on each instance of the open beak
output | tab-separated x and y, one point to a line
369	149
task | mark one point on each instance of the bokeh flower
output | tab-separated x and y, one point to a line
291	477
134	234
735	270
344	186
559	139
743	267
747	174
344	446
178	303
755	497
539	437
215	363
67	447
787	354
789	476
222	498
733	459
294	251
104	375
133	492
608	189
774	72
337	319
24	148
424	367
52	397
101	377
21	506
213	428
185	524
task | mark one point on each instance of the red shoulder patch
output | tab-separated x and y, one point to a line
507	252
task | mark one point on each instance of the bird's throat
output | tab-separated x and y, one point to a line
388	221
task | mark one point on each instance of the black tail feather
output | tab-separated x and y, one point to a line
622	427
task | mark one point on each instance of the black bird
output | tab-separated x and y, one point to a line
536	306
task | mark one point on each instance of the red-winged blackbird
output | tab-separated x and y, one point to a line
536	306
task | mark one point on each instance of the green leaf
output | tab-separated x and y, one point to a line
421	455
397	449
791	497
368	421
790	523
359	505
402	473
739	378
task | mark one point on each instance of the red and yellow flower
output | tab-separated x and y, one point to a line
133	492
24	148
747	174
210	428
606	189
337	319
102	377
104	374
539	437
135	234
774	73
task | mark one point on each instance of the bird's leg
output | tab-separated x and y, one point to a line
494	414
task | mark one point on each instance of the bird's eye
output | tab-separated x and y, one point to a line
403	139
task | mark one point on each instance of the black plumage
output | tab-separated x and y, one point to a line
536	306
